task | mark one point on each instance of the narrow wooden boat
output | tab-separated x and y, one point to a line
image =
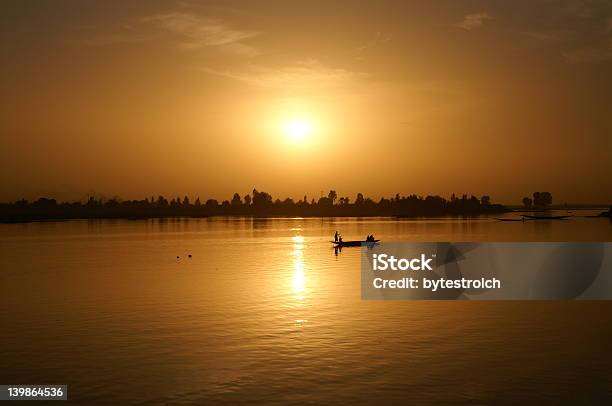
605	214
500	219
545	217
354	243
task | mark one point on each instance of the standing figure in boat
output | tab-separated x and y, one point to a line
336	236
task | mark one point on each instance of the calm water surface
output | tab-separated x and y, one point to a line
265	312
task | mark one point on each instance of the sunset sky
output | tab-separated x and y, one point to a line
140	98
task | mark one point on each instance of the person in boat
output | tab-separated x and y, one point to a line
336	236
339	238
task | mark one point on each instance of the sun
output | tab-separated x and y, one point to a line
297	129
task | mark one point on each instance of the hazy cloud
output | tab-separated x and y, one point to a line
597	48
378	39
595	53
197	31
191	31
475	20
544	36
303	74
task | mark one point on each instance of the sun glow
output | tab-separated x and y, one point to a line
297	129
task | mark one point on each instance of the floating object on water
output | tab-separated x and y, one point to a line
544	217
177	257
500	219
189	255
355	243
603	214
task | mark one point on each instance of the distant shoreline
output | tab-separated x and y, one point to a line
256	204
271	217
234	216
262	205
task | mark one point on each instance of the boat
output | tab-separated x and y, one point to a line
605	214
354	243
544	217
500	219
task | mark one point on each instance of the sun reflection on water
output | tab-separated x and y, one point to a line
299	277
298	243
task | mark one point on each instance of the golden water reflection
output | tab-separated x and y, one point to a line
298	243
299	276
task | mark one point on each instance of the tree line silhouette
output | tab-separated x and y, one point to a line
259	204
541	200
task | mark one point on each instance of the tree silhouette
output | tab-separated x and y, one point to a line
542	199
261	199
359	200
332	195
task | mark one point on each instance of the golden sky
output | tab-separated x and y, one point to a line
141	98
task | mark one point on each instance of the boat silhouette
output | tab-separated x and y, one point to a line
544	217
354	243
